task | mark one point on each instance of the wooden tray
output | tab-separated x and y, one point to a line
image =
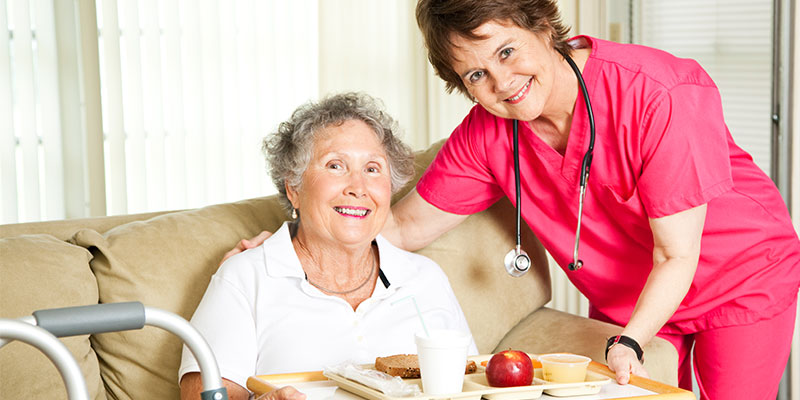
644	388
475	387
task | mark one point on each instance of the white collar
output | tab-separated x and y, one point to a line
281	259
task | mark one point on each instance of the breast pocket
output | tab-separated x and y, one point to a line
627	212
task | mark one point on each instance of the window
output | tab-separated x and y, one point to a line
739	59
188	90
145	105
31	167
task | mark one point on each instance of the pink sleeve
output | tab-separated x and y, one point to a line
459	180
685	151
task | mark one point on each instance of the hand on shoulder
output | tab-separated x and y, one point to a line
246	244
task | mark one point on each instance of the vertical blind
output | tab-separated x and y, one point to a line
31	164
732	40
189	90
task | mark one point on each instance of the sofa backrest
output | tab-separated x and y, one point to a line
166	261
64	229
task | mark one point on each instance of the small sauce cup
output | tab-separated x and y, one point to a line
564	367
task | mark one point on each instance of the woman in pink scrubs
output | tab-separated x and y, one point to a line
682	236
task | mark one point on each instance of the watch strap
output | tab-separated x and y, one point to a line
627	342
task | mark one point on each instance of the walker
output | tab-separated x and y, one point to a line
44	326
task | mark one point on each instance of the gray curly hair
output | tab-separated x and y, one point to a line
288	150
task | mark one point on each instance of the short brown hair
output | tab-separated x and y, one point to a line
439	19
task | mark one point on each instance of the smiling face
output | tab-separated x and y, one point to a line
511	72
345	194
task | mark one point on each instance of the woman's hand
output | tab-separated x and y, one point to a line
622	360
676	250
246	244
284	393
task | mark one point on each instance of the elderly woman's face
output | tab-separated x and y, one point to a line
346	190
510	72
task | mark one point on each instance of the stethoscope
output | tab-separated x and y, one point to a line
517	262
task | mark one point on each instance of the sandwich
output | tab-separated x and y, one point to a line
407	365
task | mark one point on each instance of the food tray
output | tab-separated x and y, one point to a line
475	387
592	385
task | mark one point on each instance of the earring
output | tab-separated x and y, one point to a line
294	213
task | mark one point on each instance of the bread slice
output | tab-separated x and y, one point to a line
407	365
402	365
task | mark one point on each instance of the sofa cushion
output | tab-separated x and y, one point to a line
165	262
472	257
552	331
38	272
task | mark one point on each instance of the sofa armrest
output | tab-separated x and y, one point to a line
550	331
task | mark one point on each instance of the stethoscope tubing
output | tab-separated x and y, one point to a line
517	183
586	164
517	262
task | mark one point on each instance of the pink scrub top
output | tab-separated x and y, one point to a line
661	147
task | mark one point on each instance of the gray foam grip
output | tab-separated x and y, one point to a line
98	318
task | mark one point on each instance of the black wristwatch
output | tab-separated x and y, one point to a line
627	342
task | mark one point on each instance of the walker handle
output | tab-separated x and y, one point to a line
92	319
113	317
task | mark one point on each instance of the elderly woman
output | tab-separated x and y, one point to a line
321	290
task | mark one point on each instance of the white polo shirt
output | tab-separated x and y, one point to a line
261	316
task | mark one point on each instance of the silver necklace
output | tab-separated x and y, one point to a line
371	272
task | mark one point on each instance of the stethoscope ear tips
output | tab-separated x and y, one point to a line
517	263
574	266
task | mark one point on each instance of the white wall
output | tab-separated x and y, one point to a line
384	56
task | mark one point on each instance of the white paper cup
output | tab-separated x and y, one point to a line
442	360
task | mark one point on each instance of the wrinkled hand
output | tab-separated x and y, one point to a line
246	244
622	360
284	393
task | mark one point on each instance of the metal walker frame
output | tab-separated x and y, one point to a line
42	329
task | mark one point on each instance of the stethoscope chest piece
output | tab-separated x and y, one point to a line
517	262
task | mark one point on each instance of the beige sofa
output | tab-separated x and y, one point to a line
165	260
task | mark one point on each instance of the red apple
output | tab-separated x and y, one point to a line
509	368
